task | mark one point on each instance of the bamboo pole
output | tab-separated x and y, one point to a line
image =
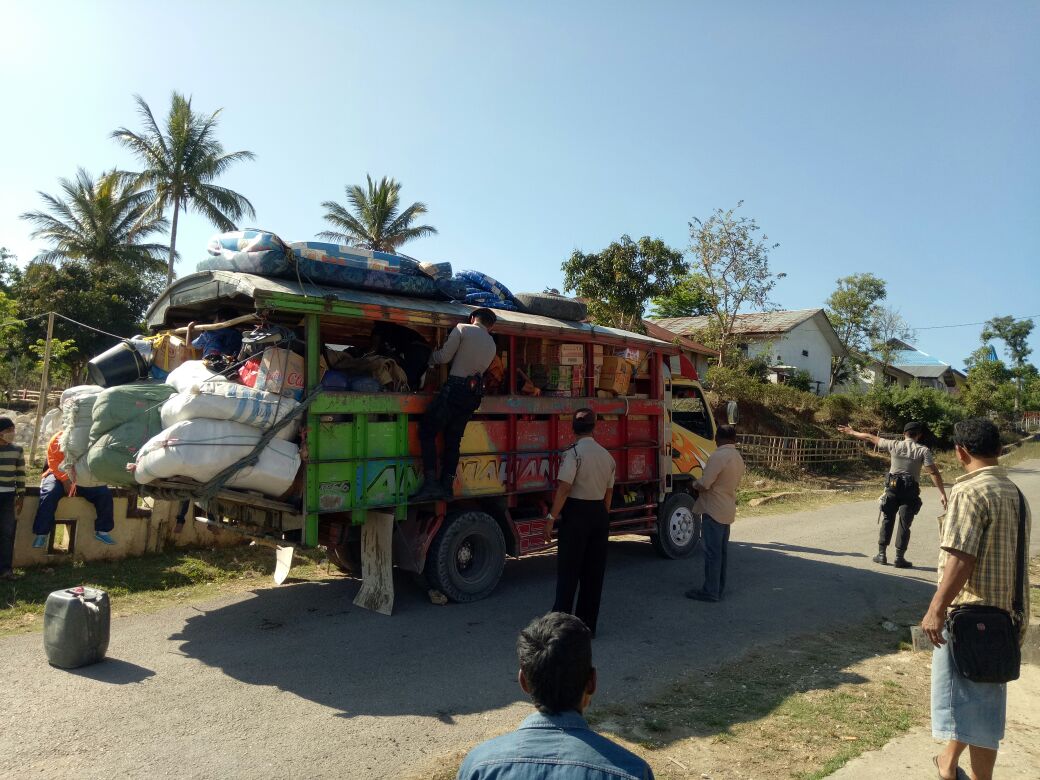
41	404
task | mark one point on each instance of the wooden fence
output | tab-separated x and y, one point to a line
25	397
776	451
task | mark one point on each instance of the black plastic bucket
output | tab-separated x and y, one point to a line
117	366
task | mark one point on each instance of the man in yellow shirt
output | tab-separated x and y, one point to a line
978	553
717	505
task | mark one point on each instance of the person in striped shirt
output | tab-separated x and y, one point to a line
12	493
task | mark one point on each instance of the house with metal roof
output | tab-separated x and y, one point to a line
791	341
924	368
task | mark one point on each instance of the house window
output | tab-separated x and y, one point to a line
805	353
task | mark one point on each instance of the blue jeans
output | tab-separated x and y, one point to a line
716	540
52	491
971	712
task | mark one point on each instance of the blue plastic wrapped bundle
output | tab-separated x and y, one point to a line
487	284
353	257
247	248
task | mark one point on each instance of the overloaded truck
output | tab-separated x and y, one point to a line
360	449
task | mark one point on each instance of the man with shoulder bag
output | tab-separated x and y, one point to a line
978	617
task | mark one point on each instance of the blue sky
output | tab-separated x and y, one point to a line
897	138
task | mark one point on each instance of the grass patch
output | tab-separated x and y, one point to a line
802	709
149	582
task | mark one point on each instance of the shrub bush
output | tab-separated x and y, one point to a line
733	383
916	403
789	397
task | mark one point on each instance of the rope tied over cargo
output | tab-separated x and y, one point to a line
208	491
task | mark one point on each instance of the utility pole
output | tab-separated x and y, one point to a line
41	406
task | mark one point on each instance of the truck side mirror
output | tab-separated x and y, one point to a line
732	415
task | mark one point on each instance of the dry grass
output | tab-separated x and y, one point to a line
797	710
150	582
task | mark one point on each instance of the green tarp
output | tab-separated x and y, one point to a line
124	418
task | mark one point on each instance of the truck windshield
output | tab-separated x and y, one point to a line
690	412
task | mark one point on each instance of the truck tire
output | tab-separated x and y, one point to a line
559	307
467	557
678	528
342	545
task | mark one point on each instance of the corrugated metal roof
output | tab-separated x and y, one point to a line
915	357
209	287
663	334
762	323
925	372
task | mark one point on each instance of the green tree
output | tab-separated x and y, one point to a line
1015	335
734	263
10	273
618	281
376	221
686	299
181	161
989	387
890	327
100	268
854	312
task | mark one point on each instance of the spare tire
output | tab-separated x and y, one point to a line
559	307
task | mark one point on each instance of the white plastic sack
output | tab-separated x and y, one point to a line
200	449
75	425
230	401
190	374
50	424
77	391
80	474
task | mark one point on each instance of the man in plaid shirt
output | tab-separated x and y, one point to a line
978	540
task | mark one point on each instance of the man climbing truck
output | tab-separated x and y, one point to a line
361	452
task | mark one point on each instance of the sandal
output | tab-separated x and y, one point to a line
961	774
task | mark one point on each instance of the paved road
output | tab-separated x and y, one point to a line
296	682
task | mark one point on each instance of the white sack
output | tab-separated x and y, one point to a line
189	374
200	449
50	425
80	474
77	391
230	401
75	425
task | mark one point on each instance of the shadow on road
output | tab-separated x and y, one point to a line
114	671
794	548
442	661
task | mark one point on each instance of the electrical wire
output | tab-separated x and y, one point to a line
969	324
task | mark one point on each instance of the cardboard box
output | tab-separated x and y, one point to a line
633	356
571	354
615	376
282	371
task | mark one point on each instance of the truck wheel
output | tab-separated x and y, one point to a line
343	546
678	528
467	557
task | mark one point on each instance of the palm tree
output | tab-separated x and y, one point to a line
103	221
375	222
182	159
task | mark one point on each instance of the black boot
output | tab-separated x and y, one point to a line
430	490
881	557
901	562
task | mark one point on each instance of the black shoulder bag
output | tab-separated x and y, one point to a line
984	640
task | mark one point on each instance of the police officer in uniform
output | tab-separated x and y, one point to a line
581	508
902	496
470	349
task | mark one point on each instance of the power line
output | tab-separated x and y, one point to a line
969	324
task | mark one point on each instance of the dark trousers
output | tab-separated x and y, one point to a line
581	559
52	491
716	542
7	527
904	502
450	411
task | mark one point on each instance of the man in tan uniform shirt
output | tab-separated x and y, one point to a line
717	504
586	484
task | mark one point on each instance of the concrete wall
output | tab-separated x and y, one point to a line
787	350
137	530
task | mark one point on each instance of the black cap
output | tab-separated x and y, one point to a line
913	428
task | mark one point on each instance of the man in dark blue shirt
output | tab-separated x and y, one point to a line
555	743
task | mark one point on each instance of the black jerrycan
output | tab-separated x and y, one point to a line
76	626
